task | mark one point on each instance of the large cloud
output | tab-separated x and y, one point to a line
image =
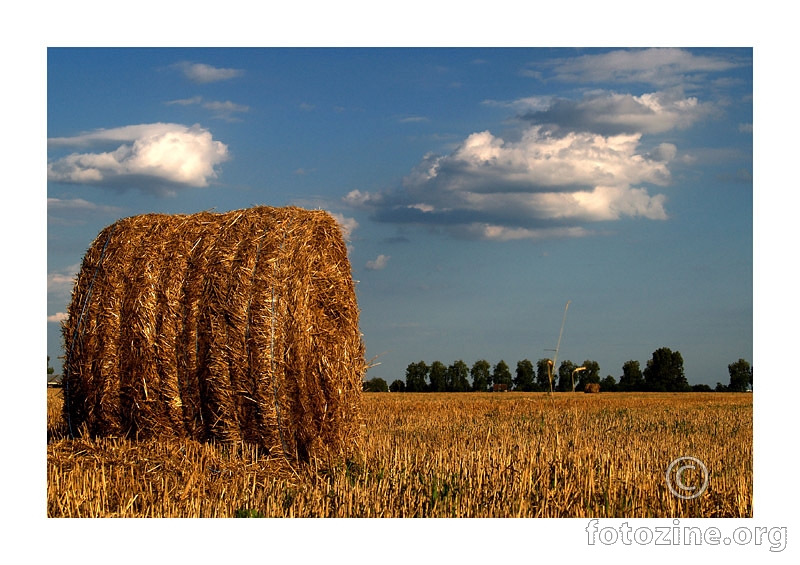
611	113
153	157
544	185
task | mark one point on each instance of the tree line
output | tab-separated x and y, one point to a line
663	373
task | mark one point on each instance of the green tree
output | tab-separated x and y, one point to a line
480	375
501	375
608	384
524	380
591	374
741	374
543	374
438	377
565	376
631	378
458	377
50	370
397	386
376	384
664	372
416	373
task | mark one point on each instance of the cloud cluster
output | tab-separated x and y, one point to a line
570	162
543	185
159	157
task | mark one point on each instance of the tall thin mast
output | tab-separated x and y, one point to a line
564	321
555	357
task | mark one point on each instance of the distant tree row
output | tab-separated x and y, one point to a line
663	373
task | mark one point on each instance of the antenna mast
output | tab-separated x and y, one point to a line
555	357
564	321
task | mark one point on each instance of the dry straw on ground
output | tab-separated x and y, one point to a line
240	326
483	455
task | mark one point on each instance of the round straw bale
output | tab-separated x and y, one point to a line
591	388
241	326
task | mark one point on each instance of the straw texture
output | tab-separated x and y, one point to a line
240	326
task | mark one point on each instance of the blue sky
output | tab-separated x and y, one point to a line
480	188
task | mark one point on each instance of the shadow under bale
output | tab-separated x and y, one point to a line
241	326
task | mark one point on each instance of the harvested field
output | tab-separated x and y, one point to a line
435	455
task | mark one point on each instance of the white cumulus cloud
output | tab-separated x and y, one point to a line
378	263
58	317
157	157
543	185
540	160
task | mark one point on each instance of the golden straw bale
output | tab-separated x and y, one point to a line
241	326
591	388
